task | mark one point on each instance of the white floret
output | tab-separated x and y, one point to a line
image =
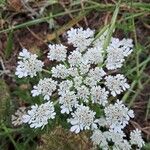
77	81
90	81
99	95
117	51
45	87
65	86
38	116
82	119
83	93
68	101
84	67
57	52
96	73
98	138
118	116
116	84
136	138
93	55
123	145
17	117
73	71
28	65
74	58
102	122
60	71
80	38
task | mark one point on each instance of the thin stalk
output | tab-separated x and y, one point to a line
49	72
10	137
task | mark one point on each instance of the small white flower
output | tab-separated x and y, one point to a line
90	81
114	137
68	100
98	138
57	52
117	51
136	138
82	119
64	86
80	38
94	55
77	81
116	84
45	87
74	58
99	95
83	93
38	116
115	58
118	140
118	116
60	71
17	117
25	54
28	65
127	46
96	73
123	145
72	71
84	67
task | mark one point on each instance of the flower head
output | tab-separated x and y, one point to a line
82	118
98	138
118	116
116	84
60	71
83	93
45	87
28	65
96	73
117	51
38	116
64	87
57	52
80	38
136	138
17	117
93	55
68	100
74	58
99	95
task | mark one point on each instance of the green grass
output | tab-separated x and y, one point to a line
123	18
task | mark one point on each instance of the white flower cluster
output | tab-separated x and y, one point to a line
81	85
117	51
38	116
28	65
82	118
116	84
80	38
45	87
136	138
17	117
57	52
118	139
117	116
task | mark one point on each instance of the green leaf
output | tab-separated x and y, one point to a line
9	46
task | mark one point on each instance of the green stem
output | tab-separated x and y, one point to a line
49	72
10	137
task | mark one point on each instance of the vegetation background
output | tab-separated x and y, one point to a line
35	23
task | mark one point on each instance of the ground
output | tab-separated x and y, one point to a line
28	24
